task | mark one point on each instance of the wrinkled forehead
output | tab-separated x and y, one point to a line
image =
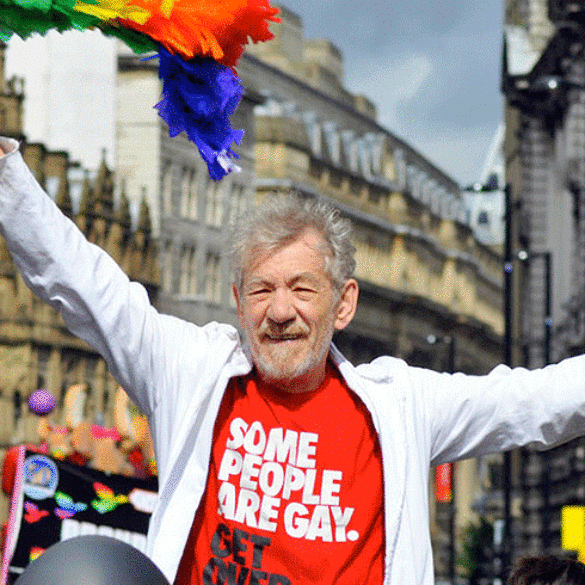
260	252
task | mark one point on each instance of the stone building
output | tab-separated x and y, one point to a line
11	101
544	85
36	350
425	279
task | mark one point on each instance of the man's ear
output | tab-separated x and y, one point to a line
347	304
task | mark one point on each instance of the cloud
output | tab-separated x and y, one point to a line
463	89
450	124
389	82
431	101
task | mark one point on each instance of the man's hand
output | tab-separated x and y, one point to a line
2	153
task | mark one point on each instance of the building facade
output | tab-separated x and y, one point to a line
36	350
544	85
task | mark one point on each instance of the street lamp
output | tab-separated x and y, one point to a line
448	469
449	341
506	548
509	261
526	256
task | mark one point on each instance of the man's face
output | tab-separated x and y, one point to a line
289	312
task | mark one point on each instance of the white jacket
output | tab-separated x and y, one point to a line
177	373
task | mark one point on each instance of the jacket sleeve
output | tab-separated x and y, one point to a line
97	301
469	416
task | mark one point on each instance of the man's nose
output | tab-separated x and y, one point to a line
281	309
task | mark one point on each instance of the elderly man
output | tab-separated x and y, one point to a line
280	462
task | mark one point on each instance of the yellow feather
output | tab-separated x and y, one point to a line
166	7
112	9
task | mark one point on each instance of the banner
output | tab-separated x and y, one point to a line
573	530
54	500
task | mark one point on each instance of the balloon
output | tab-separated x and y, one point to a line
41	402
92	560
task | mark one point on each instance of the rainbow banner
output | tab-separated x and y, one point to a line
54	500
198	43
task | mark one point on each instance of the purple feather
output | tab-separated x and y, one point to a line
199	96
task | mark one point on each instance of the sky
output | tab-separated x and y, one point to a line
432	67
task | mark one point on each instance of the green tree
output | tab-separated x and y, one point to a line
477	558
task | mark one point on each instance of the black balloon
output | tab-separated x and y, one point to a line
92	560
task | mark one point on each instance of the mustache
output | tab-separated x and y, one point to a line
274	330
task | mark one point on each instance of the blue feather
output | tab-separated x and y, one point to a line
198	98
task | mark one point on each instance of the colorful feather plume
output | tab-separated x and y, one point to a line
198	43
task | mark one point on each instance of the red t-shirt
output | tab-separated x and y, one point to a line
294	494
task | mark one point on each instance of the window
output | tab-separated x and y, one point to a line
17	406
213	277
69	373
185	193
167	267
238	201
335	179
405	280
43	356
90	374
189	194
214	211
400	164
193	196
166	189
52	186
483	218
188	277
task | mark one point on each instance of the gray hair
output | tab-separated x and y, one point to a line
276	222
